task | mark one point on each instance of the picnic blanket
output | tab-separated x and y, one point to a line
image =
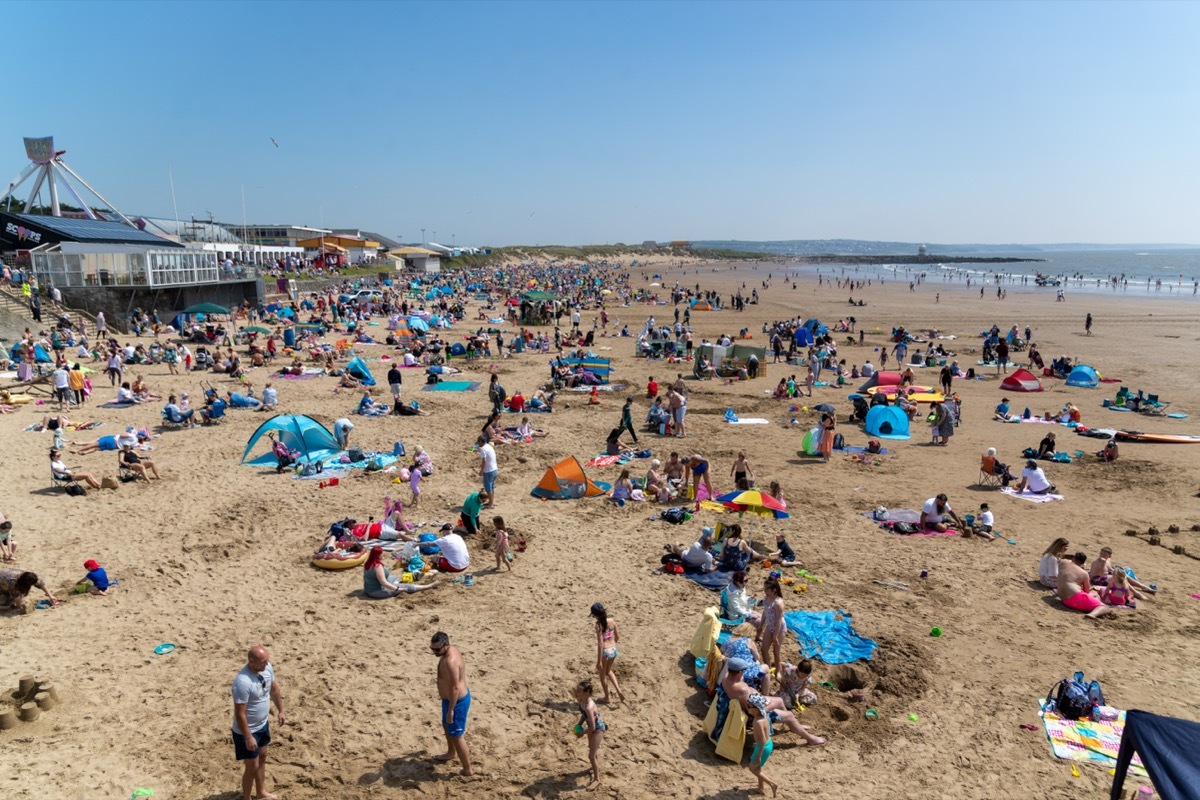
1086	740
451	386
1033	498
603	387
309	373
829	636
858	448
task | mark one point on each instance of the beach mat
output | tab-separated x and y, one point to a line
1087	741
451	386
749	421
858	448
603	461
1033	498
829	636
713	581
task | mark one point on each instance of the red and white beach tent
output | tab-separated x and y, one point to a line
1021	381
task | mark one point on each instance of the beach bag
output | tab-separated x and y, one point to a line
428	544
672	564
356	454
1029	452
675	515
1074	698
310	469
75	490
839	442
873	446
906	527
431	379
108	482
879	514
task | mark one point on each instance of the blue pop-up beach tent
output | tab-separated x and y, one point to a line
816	327
303	434
1083	375
40	355
887	422
803	337
1170	752
358	369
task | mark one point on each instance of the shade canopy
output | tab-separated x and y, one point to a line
205	308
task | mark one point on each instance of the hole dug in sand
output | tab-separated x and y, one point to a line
846	679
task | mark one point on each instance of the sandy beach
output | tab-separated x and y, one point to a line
215	558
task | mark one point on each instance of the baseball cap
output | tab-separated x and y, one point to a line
737	664
91	564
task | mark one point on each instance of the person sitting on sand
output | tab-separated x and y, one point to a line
657	415
936	511
1075	589
125	395
15	585
1002	412
96	579
1046	447
613	446
698	557
1109	452
675	470
1103	569
1048	565
622	489
369	408
62	471
738	690
378	582
455	556
736	553
1034	480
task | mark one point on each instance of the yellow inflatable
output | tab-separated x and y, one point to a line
15	399
923	394
340	559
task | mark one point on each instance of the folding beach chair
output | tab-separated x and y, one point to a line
987	474
60	481
1152	405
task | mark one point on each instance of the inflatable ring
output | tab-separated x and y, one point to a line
340	559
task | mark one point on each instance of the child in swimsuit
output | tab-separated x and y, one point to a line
763	746
1118	592
772	627
607	636
590	725
741	470
503	556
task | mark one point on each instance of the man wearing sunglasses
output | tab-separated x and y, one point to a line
254	689
456	700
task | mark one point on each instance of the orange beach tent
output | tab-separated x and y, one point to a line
567	481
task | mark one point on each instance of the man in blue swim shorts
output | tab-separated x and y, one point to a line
456	700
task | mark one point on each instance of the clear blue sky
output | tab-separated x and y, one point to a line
574	122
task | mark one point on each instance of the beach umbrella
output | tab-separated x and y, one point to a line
287	312
255	329
754	502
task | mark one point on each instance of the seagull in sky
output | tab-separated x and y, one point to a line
274	142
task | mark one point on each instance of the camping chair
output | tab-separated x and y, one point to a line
60	481
1152	405
987	474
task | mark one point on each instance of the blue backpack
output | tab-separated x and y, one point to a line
1073	698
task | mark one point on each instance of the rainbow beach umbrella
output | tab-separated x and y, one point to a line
754	502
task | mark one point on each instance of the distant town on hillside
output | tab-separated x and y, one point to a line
805	247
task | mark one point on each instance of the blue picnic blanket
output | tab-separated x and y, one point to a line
713	581
829	636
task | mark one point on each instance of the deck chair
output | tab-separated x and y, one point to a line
987	473
1152	405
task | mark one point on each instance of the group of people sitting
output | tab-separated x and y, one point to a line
1104	588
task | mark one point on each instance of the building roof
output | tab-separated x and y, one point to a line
412	251
60	229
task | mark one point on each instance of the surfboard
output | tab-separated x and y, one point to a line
1158	438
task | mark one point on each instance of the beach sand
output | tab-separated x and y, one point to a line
215	559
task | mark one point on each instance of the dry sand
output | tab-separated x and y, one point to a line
215	558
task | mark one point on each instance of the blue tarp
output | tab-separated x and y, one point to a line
1170	752
358	369
829	636
713	581
304	434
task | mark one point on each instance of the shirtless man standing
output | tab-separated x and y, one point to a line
1075	588
456	700
774	707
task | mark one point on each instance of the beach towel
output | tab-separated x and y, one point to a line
713	581
857	448
829	636
115	404
451	386
749	421
604	387
1033	498
896	515
1086	740
603	461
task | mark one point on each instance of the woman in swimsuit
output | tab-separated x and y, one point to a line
773	628
590	725
699	466
607	636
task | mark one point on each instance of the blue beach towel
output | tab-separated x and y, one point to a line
829	636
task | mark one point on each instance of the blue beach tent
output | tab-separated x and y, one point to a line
304	434
816	327
803	337
1083	375
358	369
1170	752
887	422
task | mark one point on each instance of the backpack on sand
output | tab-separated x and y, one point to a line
1074	699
